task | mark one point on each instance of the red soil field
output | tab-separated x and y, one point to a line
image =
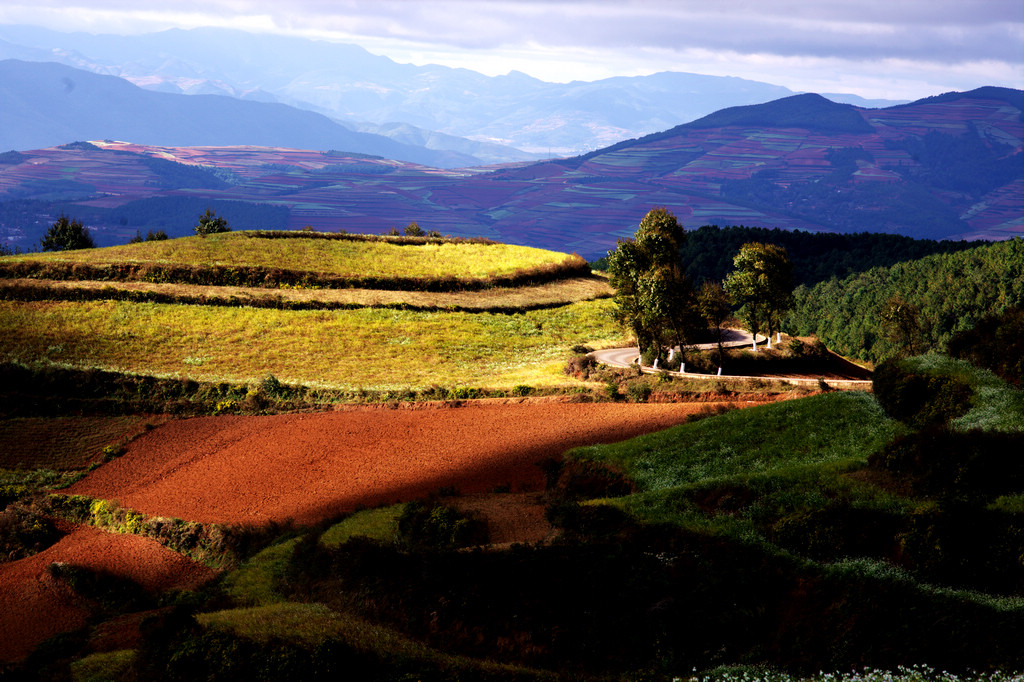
34	605
308	467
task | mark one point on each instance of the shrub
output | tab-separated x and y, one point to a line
919	399
975	466
576	479
211	223
580	366
24	530
639	391
522	390
996	343
66	235
431	525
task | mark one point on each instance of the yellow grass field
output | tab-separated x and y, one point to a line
328	256
367	348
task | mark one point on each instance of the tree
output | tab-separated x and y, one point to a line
714	306
414	230
653	297
211	223
901	324
66	235
762	284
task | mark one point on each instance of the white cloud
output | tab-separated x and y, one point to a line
875	48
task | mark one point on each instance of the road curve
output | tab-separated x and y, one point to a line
732	338
627	357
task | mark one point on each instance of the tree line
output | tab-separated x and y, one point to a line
914	306
869	296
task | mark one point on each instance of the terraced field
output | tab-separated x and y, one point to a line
525	310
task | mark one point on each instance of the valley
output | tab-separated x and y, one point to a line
944	168
364	424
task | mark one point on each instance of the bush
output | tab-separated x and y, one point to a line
211	223
577	479
996	343
66	235
919	399
580	366
24	531
639	391
522	390
431	525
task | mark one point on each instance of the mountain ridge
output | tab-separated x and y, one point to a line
47	104
348	83
946	169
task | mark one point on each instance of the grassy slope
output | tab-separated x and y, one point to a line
492	299
367	348
329	256
349	349
995	404
823	429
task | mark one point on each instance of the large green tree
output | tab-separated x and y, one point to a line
653	297
762	285
66	235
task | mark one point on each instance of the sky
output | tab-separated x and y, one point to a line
891	49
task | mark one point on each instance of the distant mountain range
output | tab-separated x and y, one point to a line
494	119
47	104
946	167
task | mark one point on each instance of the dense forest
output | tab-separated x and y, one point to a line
707	252
948	292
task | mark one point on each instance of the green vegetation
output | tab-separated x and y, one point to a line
762	440
211	223
762	285
653	299
838	531
377	524
951	292
66	235
255	582
996	343
708	251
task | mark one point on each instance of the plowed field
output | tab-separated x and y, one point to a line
34	605
307	467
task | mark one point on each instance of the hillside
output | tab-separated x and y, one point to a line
351	313
951	293
949	168
203	476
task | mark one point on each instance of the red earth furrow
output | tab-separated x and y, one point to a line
310	466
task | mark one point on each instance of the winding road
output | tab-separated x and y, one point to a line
732	338
627	357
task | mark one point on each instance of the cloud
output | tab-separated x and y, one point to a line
609	37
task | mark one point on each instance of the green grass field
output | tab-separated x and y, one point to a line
326	256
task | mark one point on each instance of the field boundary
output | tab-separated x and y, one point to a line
272	278
497	300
